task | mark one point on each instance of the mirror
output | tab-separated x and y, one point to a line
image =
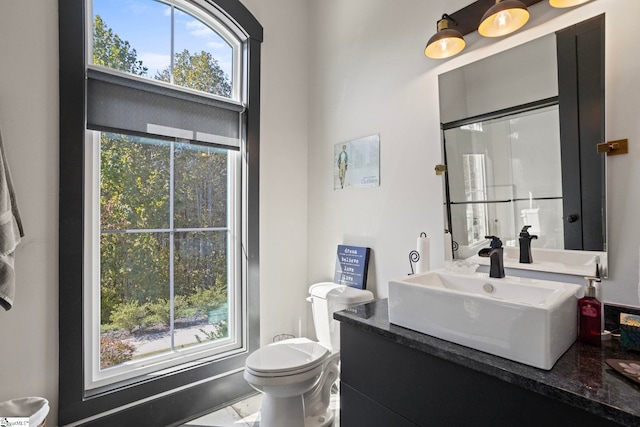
515	150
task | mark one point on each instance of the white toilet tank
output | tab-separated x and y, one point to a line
327	298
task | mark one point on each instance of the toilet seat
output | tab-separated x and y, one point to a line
286	358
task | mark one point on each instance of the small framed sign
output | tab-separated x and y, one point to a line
357	163
352	264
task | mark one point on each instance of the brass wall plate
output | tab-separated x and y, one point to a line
620	146
440	169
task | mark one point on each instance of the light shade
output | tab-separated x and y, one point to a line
566	3
445	43
503	18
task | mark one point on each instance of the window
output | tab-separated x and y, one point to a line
475	189
175	43
162	283
165	238
158	207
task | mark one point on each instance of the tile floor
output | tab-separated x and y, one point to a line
247	414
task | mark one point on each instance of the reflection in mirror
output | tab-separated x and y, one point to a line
505	121
511	177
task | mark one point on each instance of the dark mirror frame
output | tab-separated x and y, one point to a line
581	98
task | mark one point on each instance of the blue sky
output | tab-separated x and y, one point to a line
146	25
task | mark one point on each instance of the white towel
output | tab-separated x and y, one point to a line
10	233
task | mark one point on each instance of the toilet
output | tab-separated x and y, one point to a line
296	375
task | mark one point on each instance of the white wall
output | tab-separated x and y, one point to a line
283	166
516	76
623	172
29	126
367	75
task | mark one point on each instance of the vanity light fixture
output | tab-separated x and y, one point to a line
566	3
452	28
446	42
503	18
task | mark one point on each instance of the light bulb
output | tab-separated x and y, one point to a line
503	19
566	3
445	43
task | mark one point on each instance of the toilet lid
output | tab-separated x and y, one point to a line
285	356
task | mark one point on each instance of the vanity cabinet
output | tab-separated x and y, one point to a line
389	379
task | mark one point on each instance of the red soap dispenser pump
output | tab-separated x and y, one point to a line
589	315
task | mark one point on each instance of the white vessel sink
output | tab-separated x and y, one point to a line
526	320
577	263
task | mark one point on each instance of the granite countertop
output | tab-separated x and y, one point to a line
580	377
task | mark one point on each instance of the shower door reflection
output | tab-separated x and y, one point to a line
504	172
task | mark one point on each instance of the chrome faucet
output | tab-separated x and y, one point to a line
496	255
525	245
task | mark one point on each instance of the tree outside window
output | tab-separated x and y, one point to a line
163	223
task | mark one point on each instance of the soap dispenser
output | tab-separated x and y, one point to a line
589	315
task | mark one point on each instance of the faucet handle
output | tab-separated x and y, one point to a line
495	242
525	232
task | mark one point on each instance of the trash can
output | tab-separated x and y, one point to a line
35	409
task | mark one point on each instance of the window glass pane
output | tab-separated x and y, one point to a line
202	59
135	36
535	147
499	161
546	220
134	295
132	36
135	299
200	281
134	182
200	187
145	258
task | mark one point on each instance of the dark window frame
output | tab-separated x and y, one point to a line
181	395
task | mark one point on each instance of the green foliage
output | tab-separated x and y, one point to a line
107	327
200	71
134	195
134	185
130	315
135	178
182	308
221	330
159	311
113	52
127	315
200	202
114	351
205	299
